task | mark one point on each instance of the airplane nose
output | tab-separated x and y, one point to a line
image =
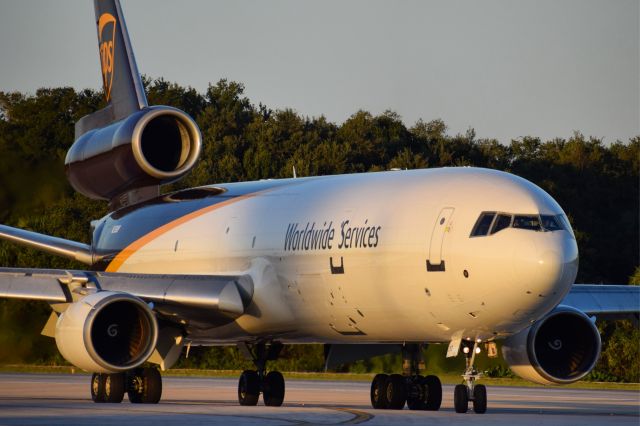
546	265
549	267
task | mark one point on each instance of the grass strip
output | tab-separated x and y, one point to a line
448	379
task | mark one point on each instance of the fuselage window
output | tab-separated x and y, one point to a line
531	222
483	224
502	221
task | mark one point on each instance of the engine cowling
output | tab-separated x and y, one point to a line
154	146
561	348
107	332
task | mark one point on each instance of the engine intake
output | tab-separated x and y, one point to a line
107	332
154	146
561	348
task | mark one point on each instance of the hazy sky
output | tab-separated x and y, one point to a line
507	68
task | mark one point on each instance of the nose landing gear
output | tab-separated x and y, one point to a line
469	391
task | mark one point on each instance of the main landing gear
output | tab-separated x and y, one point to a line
254	382
469	391
142	385
418	392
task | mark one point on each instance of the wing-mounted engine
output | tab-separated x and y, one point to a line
151	147
107	332
561	348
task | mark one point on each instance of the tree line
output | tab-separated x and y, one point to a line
596	184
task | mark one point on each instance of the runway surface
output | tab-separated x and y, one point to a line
37	399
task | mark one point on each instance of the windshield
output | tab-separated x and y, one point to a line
490	223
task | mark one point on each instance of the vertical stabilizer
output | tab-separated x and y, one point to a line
121	80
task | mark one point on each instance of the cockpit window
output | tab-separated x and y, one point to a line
567	226
551	223
531	222
502	221
483	224
490	223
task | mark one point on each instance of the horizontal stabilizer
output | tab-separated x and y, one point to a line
54	245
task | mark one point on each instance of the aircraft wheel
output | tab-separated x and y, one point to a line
396	392
461	399
144	386
480	399
378	385
249	388
273	389
417	394
107	387
97	388
113	387
433	389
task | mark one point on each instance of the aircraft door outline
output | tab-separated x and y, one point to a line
435	261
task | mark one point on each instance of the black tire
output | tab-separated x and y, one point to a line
248	388
396	392
460	399
113	386
273	389
480	399
417	394
433	388
135	386
97	388
144	386
378	388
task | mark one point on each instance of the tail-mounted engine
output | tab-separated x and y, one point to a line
561	348
153	146
107	332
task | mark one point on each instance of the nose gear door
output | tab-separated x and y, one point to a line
435	262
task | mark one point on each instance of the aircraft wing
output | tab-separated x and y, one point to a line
605	301
212	299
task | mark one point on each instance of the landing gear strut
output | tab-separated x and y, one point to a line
254	382
469	391
142	385
419	392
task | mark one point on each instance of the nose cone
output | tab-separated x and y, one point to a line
549	266
546	264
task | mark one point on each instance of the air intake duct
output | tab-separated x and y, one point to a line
154	146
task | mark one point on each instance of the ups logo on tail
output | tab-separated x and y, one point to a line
107	40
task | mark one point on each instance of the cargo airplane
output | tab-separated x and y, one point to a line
363	263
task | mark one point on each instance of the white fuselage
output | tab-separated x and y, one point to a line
344	258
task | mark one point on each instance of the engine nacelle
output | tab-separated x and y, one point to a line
154	146
107	332
561	348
